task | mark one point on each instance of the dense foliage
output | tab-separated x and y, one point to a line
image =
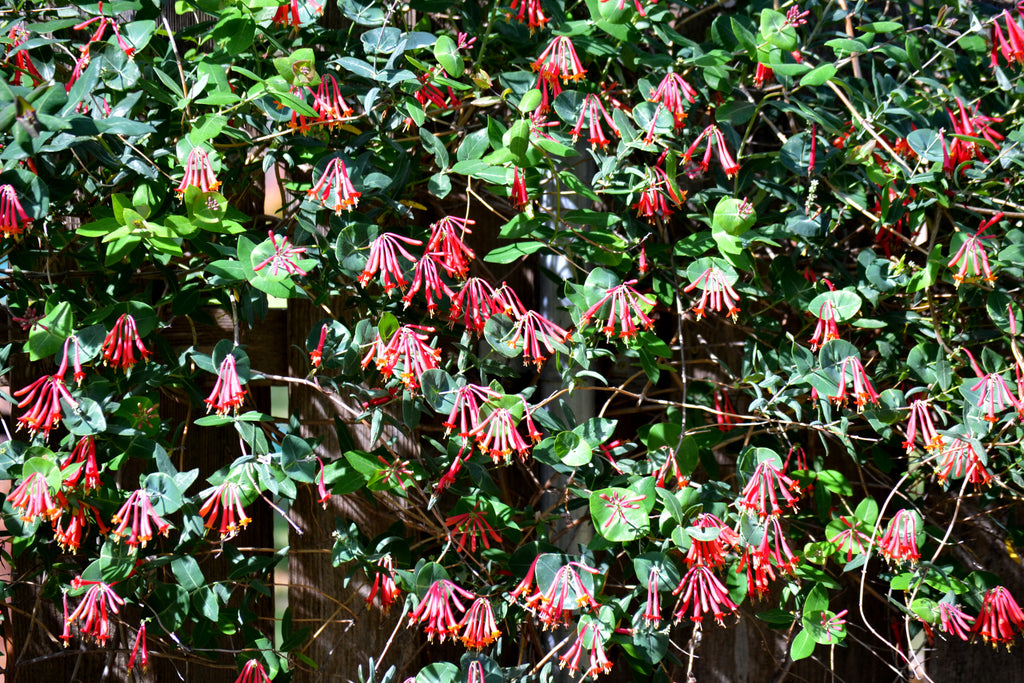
688	308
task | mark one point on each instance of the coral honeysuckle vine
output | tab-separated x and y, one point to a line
693	315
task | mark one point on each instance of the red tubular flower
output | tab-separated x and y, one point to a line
13	219
316	356
565	594
652	606
1000	617
139	651
1012	48
465	412
475	303
716	291
973	256
45	394
22	61
920	420
636	3
862	390
384	584
288	14
408	348
669	466
334	189
763	74
773	547
534	330
426	277
330	106
253	671
672	91
711	552
759	492
137	519
520	199
599	662
225	501
498	436
70	537
472	525
625	303
285	257
384	252
435	609
321	487
958	459
198	172
714	138
479	627
953	620
995	395
530	13
656	195
826	329
725	413
559	60
591	114
84	454
93	612
32	497
121	342
899	544
758	569
702	589
447	245
227	393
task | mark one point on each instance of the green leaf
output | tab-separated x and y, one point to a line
446	52
511	253
881	27
777	31
186	570
819	75
733	216
621	514
845	304
47	335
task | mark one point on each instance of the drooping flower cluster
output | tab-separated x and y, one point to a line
716	292
899	543
226	501
863	392
1000	618
759	495
658	195
13	219
565	594
713	139
435	609
407	351
121	342
227	393
599	662
384	590
674	92
625	311
972	257
137	520
93	613
334	190
198	172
